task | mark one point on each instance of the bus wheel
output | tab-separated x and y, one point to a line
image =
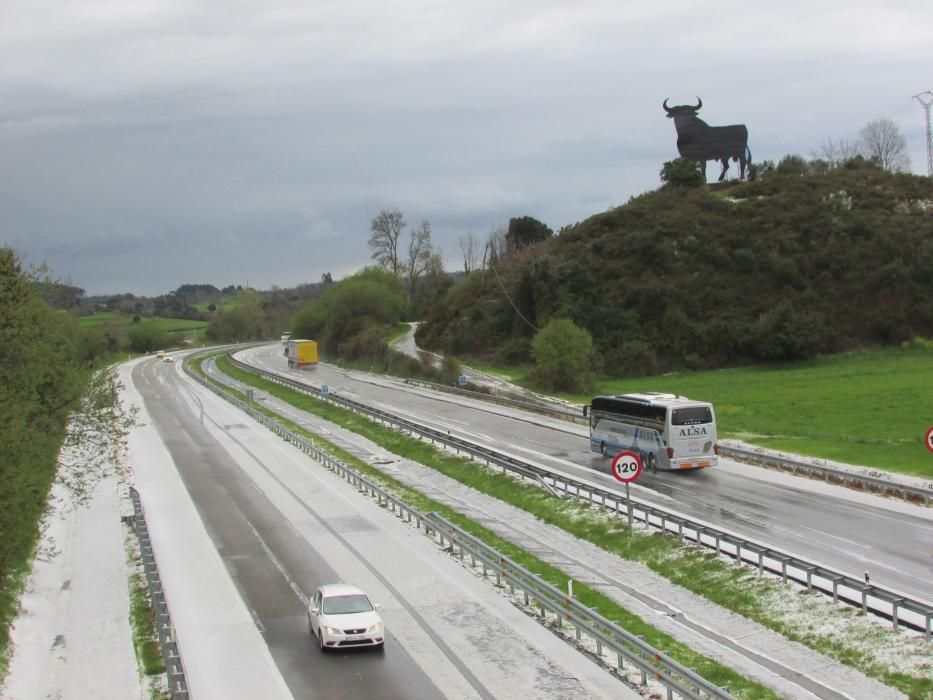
604	450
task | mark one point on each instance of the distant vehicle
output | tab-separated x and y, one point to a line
160	354
341	615
285	337
666	430
169	358
301	354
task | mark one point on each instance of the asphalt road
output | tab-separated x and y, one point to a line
283	525
840	528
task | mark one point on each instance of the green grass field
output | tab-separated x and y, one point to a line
870	408
182	327
227	303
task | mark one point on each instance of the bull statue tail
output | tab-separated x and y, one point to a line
748	163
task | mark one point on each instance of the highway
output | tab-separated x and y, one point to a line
282	525
841	528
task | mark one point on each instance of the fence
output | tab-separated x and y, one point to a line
174	669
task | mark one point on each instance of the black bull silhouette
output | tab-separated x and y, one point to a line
698	141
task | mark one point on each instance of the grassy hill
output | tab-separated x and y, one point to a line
180	328
788	267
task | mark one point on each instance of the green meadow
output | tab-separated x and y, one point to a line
871	408
181	327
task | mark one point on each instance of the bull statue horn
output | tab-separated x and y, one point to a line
666	108
699	104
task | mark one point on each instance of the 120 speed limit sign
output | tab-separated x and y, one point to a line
626	466
929	439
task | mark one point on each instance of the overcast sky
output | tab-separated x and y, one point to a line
145	144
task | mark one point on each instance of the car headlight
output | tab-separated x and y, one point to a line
376	628
332	630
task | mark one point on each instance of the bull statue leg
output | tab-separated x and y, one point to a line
725	167
745	161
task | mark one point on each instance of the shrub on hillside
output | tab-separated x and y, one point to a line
563	356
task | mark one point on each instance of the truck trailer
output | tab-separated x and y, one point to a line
301	354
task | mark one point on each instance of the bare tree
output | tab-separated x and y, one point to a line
419	254
836	153
386	229
495	247
469	246
882	139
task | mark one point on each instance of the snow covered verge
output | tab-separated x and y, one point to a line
74	618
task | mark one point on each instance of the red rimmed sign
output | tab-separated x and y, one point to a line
627	466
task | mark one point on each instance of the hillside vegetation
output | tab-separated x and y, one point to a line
787	267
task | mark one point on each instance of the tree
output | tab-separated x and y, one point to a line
682	172
148	336
495	247
524	231
419	255
385	230
563	356
836	153
792	164
347	309
469	247
432	287
882	139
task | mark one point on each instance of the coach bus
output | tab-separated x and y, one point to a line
668	431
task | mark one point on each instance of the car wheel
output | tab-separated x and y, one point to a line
320	641
604	450
652	464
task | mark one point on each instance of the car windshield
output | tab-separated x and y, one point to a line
345	604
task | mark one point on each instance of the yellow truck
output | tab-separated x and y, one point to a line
301	354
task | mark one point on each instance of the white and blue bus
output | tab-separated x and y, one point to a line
668	431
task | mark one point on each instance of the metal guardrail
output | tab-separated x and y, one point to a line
831	474
567	414
627	647
174	668
566	609
865	482
900	608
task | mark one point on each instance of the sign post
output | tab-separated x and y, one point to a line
325	390
929	438
627	467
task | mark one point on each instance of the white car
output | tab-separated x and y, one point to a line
341	615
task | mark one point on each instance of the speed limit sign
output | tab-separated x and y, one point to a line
929	439
626	466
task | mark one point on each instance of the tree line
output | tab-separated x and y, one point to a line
52	392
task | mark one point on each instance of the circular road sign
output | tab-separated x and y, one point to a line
626	466
929	438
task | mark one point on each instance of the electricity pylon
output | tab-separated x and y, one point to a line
926	99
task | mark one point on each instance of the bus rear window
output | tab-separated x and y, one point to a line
695	415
